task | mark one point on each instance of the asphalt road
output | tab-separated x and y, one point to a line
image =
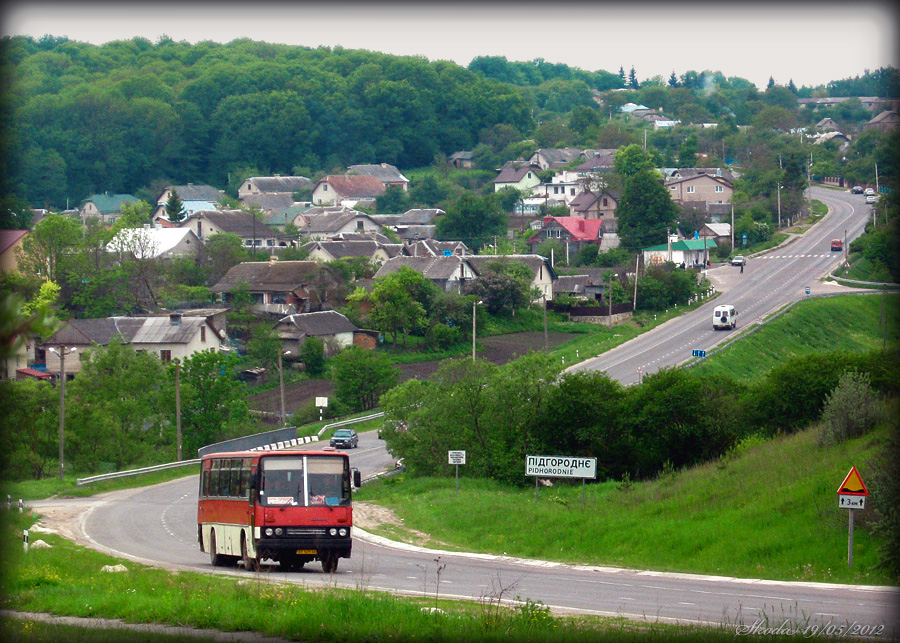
157	525
769	281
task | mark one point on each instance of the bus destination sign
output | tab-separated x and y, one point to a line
553	466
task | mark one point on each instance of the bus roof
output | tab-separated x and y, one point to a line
254	454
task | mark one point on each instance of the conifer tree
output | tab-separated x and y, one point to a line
175	208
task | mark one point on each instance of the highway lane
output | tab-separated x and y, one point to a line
157	525
769	281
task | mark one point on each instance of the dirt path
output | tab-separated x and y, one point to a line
498	349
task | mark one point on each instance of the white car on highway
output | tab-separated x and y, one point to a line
724	317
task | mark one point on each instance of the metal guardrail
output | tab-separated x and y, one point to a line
273	446
133	472
350	421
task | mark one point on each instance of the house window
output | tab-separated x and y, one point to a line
572	191
248	242
360	225
270	242
279	298
203	333
605	202
165	355
324	187
719	188
690	189
673	187
528	175
555	189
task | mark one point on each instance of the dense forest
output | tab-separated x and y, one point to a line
80	119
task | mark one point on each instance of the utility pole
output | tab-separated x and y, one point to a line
281	386
779	192
732	226
637	259
177	411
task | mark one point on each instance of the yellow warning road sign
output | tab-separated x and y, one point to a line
853	485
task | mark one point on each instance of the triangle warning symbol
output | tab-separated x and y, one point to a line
853	484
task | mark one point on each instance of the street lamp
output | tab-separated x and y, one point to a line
62	351
281	385
474	303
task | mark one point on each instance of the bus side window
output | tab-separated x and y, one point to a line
204	482
243	482
214	478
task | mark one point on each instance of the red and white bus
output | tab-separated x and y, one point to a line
288	506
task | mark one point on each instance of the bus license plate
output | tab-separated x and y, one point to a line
307	551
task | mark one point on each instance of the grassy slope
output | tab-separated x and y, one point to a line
846	323
772	512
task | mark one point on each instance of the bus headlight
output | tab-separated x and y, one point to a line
278	531
268	531
342	531
332	531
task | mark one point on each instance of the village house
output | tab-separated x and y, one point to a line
10	242
279	287
334	329
463	159
686	252
700	190
521	175
194	198
330	250
329	224
574	233
338	189
273	185
827	124
384	172
449	273
252	232
542	273
107	208
886	121
555	158
172	337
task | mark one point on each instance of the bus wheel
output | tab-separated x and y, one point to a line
215	558
329	564
250	564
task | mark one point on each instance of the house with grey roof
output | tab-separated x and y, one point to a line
253	232
191	192
172	337
334	329
428	247
277	184
464	159
386	173
542	273
332	250
322	226
450	274
279	287
106	207
521	175
555	158
269	203
886	121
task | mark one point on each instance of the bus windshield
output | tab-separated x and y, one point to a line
304	481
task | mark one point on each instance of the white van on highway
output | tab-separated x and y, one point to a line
724	317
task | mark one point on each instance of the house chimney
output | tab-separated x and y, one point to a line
175	319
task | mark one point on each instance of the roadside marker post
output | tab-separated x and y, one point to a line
807	290
456	458
852	495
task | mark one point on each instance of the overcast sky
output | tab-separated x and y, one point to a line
810	43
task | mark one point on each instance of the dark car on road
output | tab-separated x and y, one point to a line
857	189
345	438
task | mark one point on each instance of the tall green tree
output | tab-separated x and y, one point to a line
52	241
473	220
117	406
361	377
175	207
213	400
645	211
29	439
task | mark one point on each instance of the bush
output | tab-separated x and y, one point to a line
851	409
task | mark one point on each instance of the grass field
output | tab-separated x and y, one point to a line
768	510
845	323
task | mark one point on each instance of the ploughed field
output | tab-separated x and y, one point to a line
498	349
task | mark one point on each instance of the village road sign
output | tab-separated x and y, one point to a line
698	353
321	401
553	466
456	457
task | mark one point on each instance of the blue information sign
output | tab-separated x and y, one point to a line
698	353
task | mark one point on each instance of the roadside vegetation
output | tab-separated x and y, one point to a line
875	255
